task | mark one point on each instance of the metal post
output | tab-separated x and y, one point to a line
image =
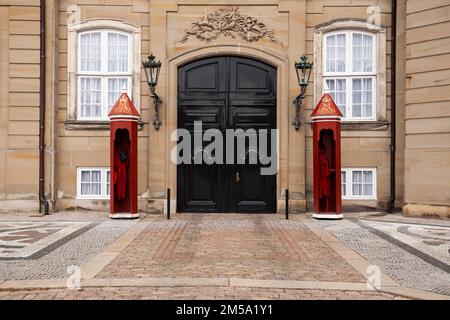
168	203
286	207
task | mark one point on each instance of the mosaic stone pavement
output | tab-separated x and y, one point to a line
45	249
416	255
28	240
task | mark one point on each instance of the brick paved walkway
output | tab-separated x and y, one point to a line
243	246
192	293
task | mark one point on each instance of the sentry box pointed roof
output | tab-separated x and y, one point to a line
326	108
124	108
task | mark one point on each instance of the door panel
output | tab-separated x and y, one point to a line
227	93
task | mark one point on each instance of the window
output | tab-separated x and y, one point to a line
93	183
104	70
349	73
358	183
103	57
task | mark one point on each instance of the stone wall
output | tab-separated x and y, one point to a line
362	145
427	154
81	145
19	103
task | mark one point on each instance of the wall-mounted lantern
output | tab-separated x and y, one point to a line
152	68
303	68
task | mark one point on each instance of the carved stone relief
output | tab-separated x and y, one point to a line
228	22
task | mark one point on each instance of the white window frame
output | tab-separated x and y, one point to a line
134	75
103	180
349	54
349	97
349	74
379	64
103	74
349	184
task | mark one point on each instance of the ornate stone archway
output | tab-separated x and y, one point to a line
169	21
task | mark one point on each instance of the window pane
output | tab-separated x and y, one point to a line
362	97
357	189
85	176
85	182
85	189
90	97
362	48
108	186
357	183
96	176
96	183
367	177
337	88
90	52
117	52
335	53
115	87
357	176
340	53
367	190
343	183
330	45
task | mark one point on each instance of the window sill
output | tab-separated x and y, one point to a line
92	125
359	199
380	125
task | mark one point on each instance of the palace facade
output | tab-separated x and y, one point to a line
230	64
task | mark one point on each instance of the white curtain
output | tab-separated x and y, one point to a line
91	182
368	185
85	182
367	97
336	51
340	52
367	53
90	97
357	183
115	86
343	183
90	51
330	47
337	88
362	52
96	182
356	97
108	179
117	52
105	75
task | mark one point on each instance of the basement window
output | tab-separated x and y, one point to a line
359	183
93	183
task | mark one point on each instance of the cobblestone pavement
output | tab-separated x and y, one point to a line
194	293
43	248
413	251
243	246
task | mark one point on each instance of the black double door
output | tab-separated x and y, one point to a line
227	93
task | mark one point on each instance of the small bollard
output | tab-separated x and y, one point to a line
287	204
168	203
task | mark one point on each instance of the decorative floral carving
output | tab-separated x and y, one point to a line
228	22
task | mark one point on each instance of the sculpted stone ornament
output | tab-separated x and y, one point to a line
228	22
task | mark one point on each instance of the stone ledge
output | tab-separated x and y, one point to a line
92	125
381	125
365	125
426	211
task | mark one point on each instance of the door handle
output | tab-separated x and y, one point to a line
237	177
